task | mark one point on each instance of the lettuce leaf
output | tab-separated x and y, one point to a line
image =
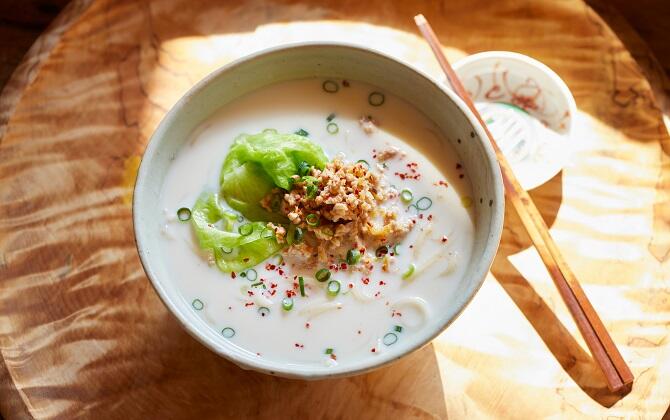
259	162
232	250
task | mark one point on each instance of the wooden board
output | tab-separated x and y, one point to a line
82	331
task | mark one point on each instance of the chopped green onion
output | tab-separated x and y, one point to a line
408	273
228	332
287	303
197	304
260	283
298	234
263	311
329	351
225	249
240	218
184	214
395	249
330	117
304	168
302	132
332	128
250	274
376	99
245	229
413	206
353	256
330	86
322	275
390	339
311	190
301	282
312	219
397	328
333	287
364	162
381	251
406	195
267	233
424	203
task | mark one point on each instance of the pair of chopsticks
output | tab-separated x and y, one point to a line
618	375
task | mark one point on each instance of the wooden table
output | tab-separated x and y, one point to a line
82	331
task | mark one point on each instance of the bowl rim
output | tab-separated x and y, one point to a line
305	372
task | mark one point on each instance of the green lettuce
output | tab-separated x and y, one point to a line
257	163
232	250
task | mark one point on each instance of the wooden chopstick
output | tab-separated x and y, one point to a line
604	351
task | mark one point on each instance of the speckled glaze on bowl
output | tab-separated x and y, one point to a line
444	108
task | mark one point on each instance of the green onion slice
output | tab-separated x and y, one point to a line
263	311
225	250
381	251
312	219
301	282
332	128
250	274
184	214
197	304
245	229
287	303
397	328
376	98
424	203
353	256
330	86
406	195
396	249
240	218
364	162
322	275
329	351
302	132
330	117
303	168
413	206
333	287
390	339
260	283
228	332
408	273
298	235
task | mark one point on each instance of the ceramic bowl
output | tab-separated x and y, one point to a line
324	60
528	109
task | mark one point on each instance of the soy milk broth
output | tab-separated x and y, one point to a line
374	312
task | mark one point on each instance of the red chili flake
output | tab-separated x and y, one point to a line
258	354
245	259
387	303
458	166
351	285
300	346
271	266
296	285
345	83
395	313
382	283
366	280
332	356
460	176
248	304
272	293
290	293
430	217
377	294
250	292
230	308
373	350
343	266
307	325
281	272
273	285
442	183
232	274
411	246
359	332
444	239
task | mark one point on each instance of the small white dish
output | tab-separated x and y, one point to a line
526	106
451	116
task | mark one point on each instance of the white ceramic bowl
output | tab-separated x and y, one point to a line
326	60
528	109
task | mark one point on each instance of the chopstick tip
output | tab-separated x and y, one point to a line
420	19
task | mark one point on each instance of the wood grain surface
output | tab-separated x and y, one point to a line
82	332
